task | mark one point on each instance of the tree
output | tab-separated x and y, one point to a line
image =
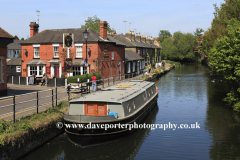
22	39
16	37
19	55
93	24
224	59
163	34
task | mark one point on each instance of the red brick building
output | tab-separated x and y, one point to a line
5	39
44	53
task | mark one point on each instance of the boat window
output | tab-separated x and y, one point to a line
149	94
129	108
152	91
134	107
144	97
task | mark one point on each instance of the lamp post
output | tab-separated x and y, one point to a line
85	34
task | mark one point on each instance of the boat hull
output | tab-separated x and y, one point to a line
88	137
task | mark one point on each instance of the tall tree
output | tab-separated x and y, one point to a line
93	24
16	37
163	34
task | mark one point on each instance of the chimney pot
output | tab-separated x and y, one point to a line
33	28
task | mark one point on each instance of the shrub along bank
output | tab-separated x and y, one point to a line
29	132
83	78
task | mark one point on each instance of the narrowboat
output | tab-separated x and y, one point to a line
116	106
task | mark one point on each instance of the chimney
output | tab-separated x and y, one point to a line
129	35
144	39
133	36
33	28
103	29
148	40
138	37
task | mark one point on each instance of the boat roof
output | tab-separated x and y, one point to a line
117	93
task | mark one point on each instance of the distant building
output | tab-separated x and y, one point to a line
14	67
5	39
13	49
144	49
44	53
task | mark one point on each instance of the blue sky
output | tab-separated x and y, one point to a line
146	16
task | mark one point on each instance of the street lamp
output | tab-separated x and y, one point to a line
85	34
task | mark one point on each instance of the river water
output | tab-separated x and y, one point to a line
187	95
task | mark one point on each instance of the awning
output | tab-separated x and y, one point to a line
54	61
78	63
36	62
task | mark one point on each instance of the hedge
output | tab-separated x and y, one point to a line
83	78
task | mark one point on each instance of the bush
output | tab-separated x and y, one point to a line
62	75
83	78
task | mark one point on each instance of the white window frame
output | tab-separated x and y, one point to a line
18	68
43	70
77	69
79	45
35	46
55	46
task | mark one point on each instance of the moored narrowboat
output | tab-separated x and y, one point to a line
107	114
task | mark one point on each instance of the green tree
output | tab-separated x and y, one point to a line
22	39
224	59
16	37
93	24
163	34
19	55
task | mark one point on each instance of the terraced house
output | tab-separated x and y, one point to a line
44	53
142	46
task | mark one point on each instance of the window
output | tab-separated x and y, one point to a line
55	51
18	68
36	52
76	71
79	50
38	70
129	67
134	63
112	55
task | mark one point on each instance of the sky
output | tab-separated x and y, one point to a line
146	17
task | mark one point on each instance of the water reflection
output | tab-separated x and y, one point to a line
125	148
186	95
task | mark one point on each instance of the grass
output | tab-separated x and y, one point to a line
9	131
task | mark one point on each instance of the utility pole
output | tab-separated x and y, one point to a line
125	25
38	15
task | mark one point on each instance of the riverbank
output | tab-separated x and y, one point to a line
158	72
28	133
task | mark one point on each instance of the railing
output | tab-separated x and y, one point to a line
51	97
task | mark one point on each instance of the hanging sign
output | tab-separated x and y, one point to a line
68	40
68	65
48	70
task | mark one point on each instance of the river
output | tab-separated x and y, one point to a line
187	95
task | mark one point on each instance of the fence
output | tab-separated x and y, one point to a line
40	100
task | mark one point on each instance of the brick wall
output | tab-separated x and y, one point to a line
3	56
94	56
